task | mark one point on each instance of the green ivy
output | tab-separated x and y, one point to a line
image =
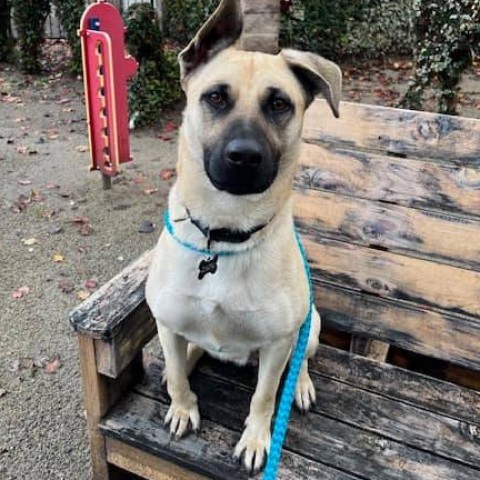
69	13
29	17
6	40
321	26
182	18
448	33
156	84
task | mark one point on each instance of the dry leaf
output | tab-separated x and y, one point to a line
22	149
52	186
20	292
86	229
52	365
81	148
150	191
83	294
25	182
29	241
66	286
167	173
57	257
91	284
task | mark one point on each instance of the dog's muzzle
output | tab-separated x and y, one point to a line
242	163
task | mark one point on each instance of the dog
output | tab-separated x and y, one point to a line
227	277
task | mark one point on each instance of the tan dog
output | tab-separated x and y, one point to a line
238	151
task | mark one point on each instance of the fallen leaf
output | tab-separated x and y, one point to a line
29	241
25	182
22	149
52	186
55	229
51	366
81	148
20	292
80	220
86	229
167	173
57	257
91	284
83	294
150	191
66	286
146	227
63	101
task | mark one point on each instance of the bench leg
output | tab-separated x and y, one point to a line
100	394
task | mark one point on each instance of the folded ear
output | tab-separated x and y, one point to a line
317	75
221	30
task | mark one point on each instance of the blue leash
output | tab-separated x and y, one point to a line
285	406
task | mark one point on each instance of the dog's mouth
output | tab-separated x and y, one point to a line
244	163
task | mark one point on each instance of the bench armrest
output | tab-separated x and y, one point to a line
117	317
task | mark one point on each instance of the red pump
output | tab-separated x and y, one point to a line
106	69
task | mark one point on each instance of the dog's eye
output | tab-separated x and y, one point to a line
279	105
216	100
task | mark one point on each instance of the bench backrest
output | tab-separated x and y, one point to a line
388	202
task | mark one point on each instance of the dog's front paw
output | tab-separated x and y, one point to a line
305	395
254	445
182	415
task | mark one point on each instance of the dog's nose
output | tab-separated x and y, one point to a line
244	153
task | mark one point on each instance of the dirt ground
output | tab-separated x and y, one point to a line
61	236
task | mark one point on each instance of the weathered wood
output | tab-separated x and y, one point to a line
261	25
100	394
454	140
138	421
369	347
370	431
136	330
429	393
389	275
101	315
144	464
443	238
455	338
412	183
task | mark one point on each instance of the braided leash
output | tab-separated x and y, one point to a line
288	392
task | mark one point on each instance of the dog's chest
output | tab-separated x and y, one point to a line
239	308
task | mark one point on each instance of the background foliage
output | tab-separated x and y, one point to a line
29	17
156	84
447	35
6	40
69	13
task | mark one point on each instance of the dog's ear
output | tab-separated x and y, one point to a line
317	75
221	30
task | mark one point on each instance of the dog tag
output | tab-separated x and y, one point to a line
208	265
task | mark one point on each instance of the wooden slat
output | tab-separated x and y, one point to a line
412	183
101	315
136	330
423	391
436	334
144	464
346	444
455	140
138	421
394	276
399	229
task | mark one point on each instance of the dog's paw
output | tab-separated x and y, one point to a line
305	395
183	415
254	445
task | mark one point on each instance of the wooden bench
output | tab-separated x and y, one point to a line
388	205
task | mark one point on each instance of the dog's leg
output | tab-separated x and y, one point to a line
255	440
184	408
194	353
305	394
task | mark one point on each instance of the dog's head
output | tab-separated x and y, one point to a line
244	113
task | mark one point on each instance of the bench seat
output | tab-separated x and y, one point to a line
371	420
